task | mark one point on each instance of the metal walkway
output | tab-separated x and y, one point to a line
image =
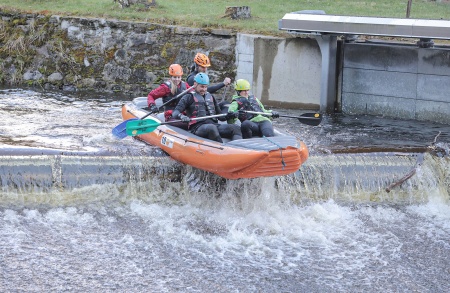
327	28
299	22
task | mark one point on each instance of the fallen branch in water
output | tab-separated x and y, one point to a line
436	150
407	176
432	149
435	139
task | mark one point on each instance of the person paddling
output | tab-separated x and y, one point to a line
201	64
201	103
251	124
168	90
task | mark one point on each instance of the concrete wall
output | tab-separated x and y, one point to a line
283	72
396	80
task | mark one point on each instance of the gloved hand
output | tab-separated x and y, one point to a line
184	118
275	114
231	115
154	109
168	115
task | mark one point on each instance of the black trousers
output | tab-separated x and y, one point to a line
263	128
216	131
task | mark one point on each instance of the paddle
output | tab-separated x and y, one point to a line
120	130
138	127
171	100
312	119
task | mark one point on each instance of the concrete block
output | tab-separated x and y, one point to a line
245	58
381	57
246	67
433	111
288	70
380	83
353	103
433	88
245	44
434	61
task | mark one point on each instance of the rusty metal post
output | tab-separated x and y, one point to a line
408	8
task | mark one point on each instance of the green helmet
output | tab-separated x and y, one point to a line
241	85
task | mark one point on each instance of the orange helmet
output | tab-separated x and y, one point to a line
202	60
175	70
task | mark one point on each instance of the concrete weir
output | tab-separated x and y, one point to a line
43	173
366	177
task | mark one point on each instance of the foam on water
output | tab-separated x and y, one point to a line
250	228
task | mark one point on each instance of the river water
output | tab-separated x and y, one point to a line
83	211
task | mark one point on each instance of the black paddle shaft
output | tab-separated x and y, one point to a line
312	119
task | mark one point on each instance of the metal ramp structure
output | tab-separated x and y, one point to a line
327	28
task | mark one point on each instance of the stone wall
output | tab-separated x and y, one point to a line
70	53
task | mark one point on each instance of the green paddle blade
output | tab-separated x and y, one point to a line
138	127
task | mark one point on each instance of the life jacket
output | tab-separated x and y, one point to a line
170	96
248	104
191	75
202	106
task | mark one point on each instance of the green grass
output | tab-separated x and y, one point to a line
209	13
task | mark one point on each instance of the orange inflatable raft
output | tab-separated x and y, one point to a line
244	158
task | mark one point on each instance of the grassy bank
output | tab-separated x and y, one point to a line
200	13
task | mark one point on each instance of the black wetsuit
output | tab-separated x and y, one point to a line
211	89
